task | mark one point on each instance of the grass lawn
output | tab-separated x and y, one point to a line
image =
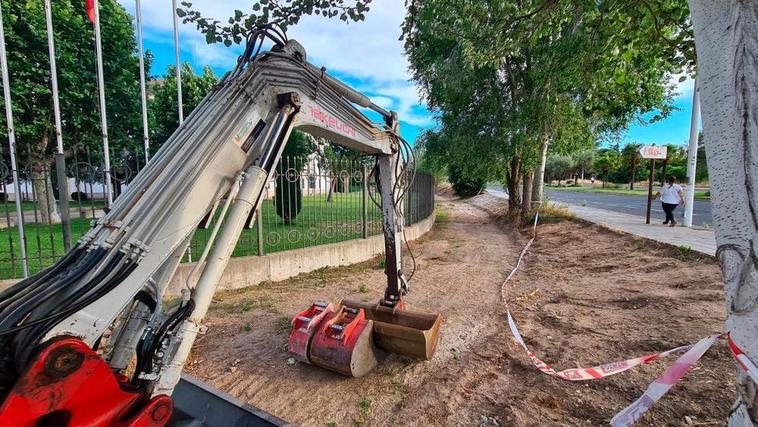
10	206
318	223
699	194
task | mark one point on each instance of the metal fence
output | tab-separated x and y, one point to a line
309	201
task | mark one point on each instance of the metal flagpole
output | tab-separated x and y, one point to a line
692	158
60	157
146	131
12	145
178	72
101	93
178	64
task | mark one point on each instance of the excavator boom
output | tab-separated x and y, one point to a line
103	299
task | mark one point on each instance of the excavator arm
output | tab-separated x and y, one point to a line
99	307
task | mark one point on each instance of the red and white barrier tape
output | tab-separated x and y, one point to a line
663	384
746	364
657	388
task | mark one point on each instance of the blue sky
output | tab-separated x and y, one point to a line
366	55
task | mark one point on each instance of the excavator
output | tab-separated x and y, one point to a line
91	340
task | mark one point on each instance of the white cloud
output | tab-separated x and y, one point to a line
367	51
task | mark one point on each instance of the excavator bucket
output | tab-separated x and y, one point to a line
304	326
343	343
408	333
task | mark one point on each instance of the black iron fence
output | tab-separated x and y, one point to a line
309	201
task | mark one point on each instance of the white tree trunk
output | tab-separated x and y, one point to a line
539	176
726	38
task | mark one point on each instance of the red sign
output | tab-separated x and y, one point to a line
653	152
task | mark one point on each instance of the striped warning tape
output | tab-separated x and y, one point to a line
658	388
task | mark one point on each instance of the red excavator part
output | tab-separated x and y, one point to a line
304	326
70	385
343	343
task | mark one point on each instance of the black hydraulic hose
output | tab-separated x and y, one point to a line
54	315
147	348
26	341
38	278
147	299
21	308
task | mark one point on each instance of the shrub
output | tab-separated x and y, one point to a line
79	196
463	185
289	196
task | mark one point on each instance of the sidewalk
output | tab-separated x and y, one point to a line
697	239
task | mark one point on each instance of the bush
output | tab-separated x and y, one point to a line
679	172
289	196
464	186
79	196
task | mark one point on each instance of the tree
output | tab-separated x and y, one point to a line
726	36
163	105
514	76
559	167
583	160
605	161
465	186
630	158
26	38
675	156
281	13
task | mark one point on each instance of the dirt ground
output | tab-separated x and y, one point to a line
585	296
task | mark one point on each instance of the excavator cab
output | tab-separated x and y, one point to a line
87	341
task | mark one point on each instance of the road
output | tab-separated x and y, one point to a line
628	204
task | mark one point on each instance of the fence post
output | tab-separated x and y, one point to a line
259	222
364	203
12	148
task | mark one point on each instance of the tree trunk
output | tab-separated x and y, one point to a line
47	209
332	185
663	171
526	194
634	174
513	181
726	39
539	176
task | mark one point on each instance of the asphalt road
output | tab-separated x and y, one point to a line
628	204
632	205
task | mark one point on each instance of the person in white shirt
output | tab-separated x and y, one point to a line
672	195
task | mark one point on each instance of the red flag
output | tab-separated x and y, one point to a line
90	5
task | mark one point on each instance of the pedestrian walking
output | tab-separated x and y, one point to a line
672	195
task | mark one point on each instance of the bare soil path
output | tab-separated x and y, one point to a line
585	296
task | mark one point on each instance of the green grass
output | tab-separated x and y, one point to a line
699	195
10	206
318	223
364	408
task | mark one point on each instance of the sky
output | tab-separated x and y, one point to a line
366	55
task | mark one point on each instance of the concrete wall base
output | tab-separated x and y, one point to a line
252	270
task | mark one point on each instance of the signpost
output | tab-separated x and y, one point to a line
651	152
